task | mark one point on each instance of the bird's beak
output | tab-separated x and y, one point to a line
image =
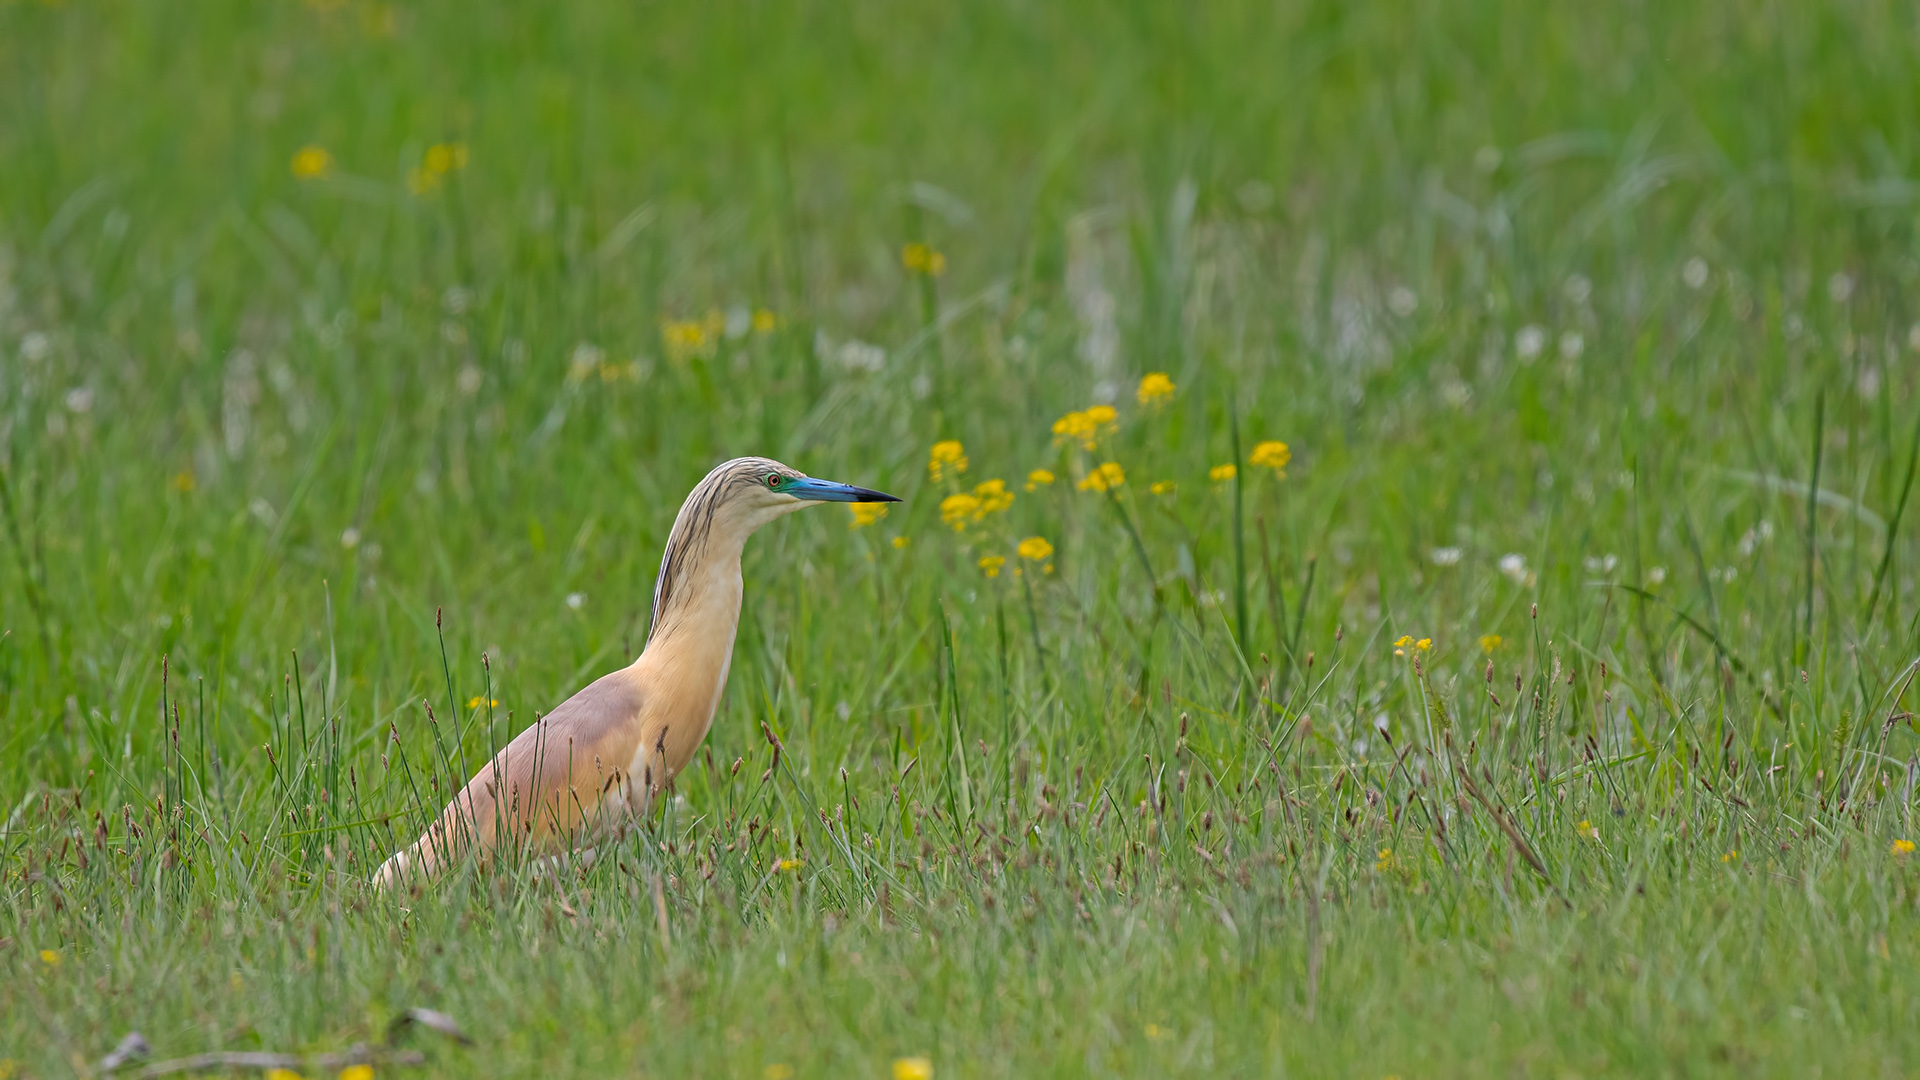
827	491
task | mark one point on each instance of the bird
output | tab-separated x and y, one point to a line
595	763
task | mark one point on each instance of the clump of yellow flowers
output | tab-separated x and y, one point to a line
440	160
994	496
991	564
1104	477
1038	479
1220	474
865	514
1406	642
920	258
1154	388
1271	454
687	338
962	508
1034	549
946	455
1085	426
957	510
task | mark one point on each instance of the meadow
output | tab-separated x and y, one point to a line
1407	565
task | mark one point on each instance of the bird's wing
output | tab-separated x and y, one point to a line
549	786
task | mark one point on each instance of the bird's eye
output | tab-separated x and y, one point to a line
774	480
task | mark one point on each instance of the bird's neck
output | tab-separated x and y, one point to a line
698	596
690	647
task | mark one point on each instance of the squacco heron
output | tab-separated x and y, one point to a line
596	761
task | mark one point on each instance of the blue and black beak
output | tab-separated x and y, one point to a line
807	487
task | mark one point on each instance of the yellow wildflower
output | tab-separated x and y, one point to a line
440	159
1587	831
1035	548
476	701
1161	487
444	158
1271	454
1074	427
1489	642
912	1068
1104	478
865	514
959	509
1155	387
50	957
1039	478
993	495
1404	641
765	322
1903	847
356	1072
922	259
779	1070
312	162
1424	644
1385	860
1220	474
1085	427
788	864
182	481
946	454
283	1074
1729	856
991	564
685	338
900	542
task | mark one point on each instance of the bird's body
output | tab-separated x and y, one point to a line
596	761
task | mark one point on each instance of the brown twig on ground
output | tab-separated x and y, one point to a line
358	1054
134	1048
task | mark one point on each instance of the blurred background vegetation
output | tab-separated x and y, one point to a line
340	337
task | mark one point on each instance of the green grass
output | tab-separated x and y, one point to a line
315	447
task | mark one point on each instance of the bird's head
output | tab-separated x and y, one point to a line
754	490
725	508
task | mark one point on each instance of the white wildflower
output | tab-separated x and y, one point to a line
1529	342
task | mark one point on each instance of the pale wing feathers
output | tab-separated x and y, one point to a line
550	786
